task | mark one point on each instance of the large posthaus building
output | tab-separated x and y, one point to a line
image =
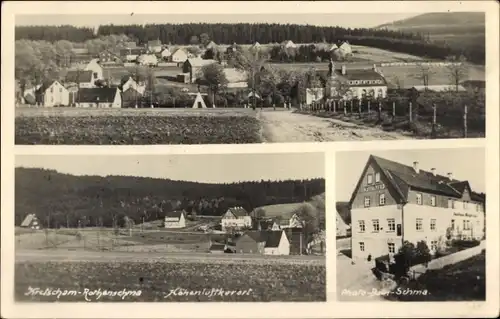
393	203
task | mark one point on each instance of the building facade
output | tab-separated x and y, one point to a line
175	219
394	203
236	217
99	98
52	93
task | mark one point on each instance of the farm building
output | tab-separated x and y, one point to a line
263	242
52	93
166	54
175	219
393	203
193	67
30	221
84	79
179	55
99	98
131	98
154	46
236	217
96	69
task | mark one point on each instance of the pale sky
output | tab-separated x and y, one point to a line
465	164
212	168
347	20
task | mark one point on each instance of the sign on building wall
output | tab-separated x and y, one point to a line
375	187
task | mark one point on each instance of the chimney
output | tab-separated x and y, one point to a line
415	167
433	171
450	176
343	70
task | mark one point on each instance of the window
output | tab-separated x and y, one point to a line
367	201
362	246
95	75
392	248
433	224
381	199
60	90
419	199
450	203
419	224
361	224
465	204
433	200
369	179
391	223
452	224
51	90
376	225
377	177
466	224
433	245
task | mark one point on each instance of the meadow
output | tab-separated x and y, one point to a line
263	279
69	126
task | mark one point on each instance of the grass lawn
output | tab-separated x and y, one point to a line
463	281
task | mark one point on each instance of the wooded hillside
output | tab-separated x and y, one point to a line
63	200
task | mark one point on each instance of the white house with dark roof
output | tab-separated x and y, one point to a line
236	217
175	219
394	202
30	221
179	55
96	68
52	93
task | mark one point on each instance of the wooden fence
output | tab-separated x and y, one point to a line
402	111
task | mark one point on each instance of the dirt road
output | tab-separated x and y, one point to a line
286	126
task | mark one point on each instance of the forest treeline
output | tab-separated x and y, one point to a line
62	200
200	33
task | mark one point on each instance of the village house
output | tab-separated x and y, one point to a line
130	55
268	224
154	46
345	48
293	222
131	98
179	55
342	226
211	46
83	79
52	93
147	59
256	45
217	248
333	47
30	221
129	82
236	217
175	219
361	83
166	54
393	203
96	68
263	242
99	98
130	45
108	57
193	67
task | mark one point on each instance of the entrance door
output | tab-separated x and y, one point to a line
200	105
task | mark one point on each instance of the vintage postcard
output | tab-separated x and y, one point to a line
186	159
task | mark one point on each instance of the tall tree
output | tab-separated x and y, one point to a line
457	70
252	63
214	77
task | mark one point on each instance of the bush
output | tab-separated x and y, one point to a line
422	253
464	244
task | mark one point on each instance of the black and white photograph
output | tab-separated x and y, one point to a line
411	225
136	79
170	228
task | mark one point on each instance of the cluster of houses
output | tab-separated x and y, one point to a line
249	235
31	222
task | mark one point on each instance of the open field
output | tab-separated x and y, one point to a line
270	281
447	284
70	126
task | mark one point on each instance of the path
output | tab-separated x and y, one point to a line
286	126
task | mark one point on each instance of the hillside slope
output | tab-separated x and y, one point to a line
437	22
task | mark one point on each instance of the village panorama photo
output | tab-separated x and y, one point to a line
411	225
170	228
242	78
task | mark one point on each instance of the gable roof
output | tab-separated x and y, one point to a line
45	85
271	238
174	214
360	74
87	95
198	62
403	177
211	45
217	246
28	220
238	211
78	76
